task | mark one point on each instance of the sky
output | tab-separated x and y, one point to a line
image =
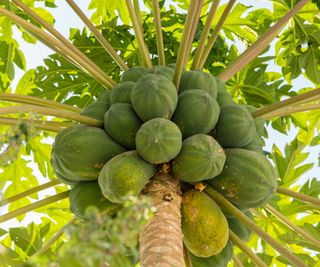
66	19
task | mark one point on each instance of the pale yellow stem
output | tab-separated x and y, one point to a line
296	195
255	49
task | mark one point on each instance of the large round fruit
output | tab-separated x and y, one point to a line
124	175
196	79
133	74
166	71
248	179
86	194
221	86
238	228
197	112
158	140
201	158
154	96
235	127
105	96
96	110
79	152
220	260
258	121
121	93
122	124
224	99
205	228
255	144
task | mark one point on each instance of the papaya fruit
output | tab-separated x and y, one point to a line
248	179
196	79
79	152
158	140
221	86
154	96
235	127
255	144
124	175
258	121
121	93
197	112
85	194
163	70
204	227
240	229
220	260
105	96
224	99
200	158
96	110
121	123
133	74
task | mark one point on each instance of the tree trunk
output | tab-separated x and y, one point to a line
161	238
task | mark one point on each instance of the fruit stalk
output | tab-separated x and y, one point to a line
161	238
107	46
299	196
256	48
29	192
34	206
36	101
62	49
292	226
51	112
237	262
237	241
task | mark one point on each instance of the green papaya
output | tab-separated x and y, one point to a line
221	86
196	79
200	158
235	127
196	112
133	74
158	140
163	70
154	96
125	175
105	96
122	124
248	179
258	121
240	229
220	260
96	110
85	194
255	144
224	99
204	227
121	93
80	151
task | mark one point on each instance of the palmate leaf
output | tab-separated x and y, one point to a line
298	47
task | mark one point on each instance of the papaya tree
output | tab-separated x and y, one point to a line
147	137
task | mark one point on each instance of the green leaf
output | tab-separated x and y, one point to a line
6	66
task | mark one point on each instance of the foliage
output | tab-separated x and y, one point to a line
294	54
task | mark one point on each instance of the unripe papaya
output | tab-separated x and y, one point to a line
86	194
79	152
122	124
205	228
248	179
121	93
158	140
133	74
154	96
196	79
220	260
200	158
124	175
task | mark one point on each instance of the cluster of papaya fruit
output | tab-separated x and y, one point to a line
200	133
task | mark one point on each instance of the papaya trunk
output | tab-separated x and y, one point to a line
161	238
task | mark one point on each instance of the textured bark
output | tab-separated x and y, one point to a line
161	238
